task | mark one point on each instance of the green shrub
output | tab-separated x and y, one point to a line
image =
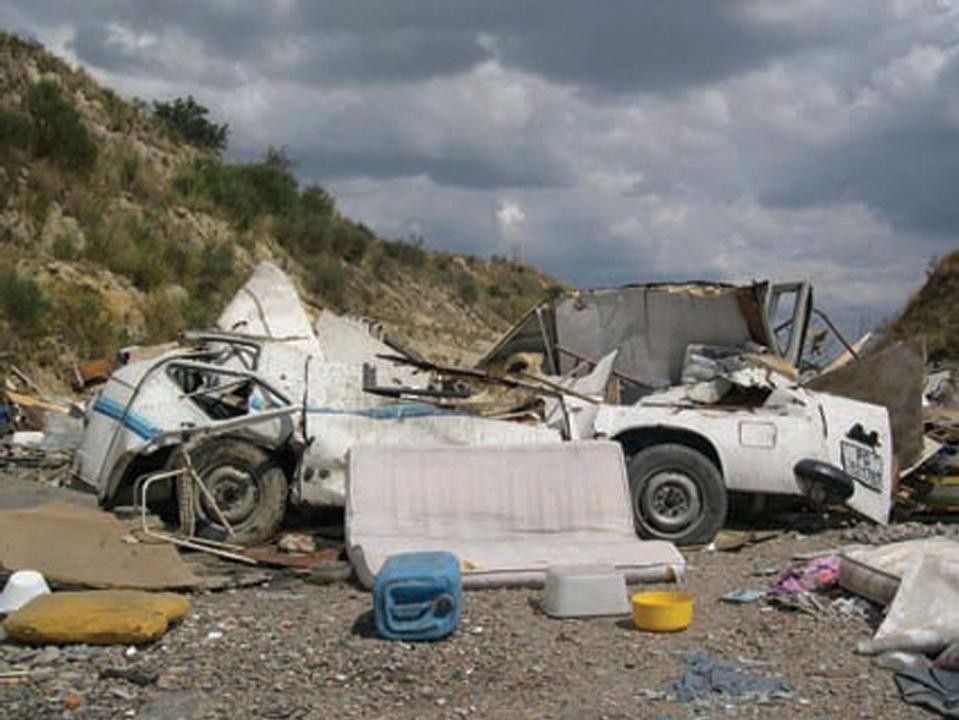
326	278
63	248
129	247
129	169
122	116
84	323
217	273
187	119
58	130
16	132
409	253
349	241
163	312
465	287
23	304
379	264
495	291
309	227
245	191
316	202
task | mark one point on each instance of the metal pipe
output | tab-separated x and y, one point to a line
825	318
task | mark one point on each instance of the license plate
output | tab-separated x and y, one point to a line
863	464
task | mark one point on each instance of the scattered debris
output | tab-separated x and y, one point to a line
803	602
736	540
706	677
296	543
300	561
743	596
91	372
819	574
136	675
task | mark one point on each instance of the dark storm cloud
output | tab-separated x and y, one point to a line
907	173
638	139
468	167
629	46
904	164
619	46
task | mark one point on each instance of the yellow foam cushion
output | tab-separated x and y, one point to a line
98	617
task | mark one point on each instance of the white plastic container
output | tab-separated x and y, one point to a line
584	591
22	587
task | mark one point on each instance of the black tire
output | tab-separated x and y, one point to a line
677	494
249	489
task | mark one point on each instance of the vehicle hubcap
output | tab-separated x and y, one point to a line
670	502
235	492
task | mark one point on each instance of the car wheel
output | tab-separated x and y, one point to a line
677	494
249	490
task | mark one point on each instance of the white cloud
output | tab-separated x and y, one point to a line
510	217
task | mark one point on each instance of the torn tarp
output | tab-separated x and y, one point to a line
930	687
75	545
706	677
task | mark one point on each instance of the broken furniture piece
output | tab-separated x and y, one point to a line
507	512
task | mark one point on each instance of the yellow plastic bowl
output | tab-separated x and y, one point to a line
662	611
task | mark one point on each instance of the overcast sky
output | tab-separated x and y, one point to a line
606	142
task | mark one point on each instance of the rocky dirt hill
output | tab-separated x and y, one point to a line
934	311
114	231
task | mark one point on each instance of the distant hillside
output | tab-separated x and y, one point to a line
114	231
934	311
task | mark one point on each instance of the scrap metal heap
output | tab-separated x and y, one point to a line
702	386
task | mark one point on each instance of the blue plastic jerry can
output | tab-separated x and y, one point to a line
418	596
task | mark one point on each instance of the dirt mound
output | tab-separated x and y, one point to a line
934	311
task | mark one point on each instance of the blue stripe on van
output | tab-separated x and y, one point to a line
137	424
388	412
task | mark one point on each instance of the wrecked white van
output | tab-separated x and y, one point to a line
705	401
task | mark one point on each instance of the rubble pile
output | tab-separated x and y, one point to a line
288	459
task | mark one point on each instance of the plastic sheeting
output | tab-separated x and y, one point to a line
874	572
508	512
924	615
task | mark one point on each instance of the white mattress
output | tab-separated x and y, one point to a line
507	512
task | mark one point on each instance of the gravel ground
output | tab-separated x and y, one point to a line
294	650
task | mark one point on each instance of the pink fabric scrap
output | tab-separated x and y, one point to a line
820	573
